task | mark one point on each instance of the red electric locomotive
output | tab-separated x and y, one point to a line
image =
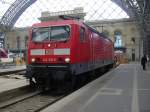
61	50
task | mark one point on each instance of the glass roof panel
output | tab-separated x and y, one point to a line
94	9
4	5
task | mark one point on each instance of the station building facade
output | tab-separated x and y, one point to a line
125	34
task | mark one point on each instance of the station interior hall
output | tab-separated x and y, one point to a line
74	55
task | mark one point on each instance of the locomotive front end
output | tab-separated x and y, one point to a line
49	54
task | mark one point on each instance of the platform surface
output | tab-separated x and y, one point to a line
124	89
11	68
11	82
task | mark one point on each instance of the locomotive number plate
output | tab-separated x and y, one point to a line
48	51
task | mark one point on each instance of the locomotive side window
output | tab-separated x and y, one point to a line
59	33
82	34
40	34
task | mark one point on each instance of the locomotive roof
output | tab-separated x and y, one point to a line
58	22
67	22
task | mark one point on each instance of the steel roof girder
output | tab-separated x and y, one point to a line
15	11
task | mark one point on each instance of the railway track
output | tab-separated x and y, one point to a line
30	103
24	99
33	101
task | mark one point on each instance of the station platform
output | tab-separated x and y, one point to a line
7	69
12	81
123	89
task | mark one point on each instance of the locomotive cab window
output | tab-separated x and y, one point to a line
40	34
60	33
82	34
53	33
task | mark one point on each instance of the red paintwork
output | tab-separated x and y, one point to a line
93	48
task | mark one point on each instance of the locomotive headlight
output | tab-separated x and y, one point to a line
33	60
67	60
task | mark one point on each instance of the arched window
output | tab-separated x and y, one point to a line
133	40
118	38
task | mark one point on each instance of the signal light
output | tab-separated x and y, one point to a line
67	60
33	60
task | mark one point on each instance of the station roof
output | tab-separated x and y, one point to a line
15	11
11	10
